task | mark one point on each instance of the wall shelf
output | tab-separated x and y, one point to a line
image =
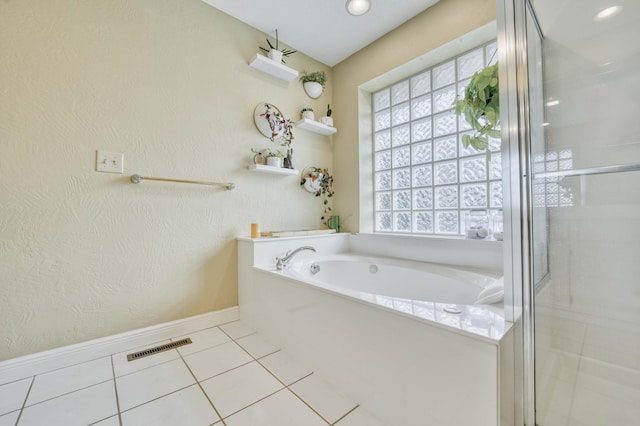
271	67
263	168
316	127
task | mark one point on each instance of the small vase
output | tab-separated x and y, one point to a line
275	55
287	162
274	161
309	115
328	121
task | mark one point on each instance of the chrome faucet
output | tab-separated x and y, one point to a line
282	262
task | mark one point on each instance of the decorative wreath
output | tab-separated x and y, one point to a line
281	128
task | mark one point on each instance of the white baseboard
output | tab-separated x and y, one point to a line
30	365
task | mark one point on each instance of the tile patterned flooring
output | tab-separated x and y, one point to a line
228	376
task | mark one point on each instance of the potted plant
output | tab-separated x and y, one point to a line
308	113
319	182
481	108
313	83
327	120
274	158
277	55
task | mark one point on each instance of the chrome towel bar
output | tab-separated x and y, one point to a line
139	179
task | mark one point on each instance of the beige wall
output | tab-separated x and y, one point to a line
438	25
166	82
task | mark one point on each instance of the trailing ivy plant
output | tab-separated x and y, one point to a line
481	108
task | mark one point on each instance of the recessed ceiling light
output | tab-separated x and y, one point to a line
358	7
607	13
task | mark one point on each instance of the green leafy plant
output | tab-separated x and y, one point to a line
307	109
285	52
266	152
481	108
329	112
319	180
317	76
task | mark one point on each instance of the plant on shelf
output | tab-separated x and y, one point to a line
308	113
272	157
327	119
275	53
319	182
481	108
313	82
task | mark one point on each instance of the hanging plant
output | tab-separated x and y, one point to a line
319	182
481	108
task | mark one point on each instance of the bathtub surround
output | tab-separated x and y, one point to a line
406	370
85	255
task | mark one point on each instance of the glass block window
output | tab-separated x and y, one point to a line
425	180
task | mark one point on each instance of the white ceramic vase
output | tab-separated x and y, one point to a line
309	115
275	55
274	161
313	89
328	121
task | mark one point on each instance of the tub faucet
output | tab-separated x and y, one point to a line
282	262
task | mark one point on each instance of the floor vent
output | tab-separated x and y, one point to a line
157	349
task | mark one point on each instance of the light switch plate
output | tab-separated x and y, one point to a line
110	162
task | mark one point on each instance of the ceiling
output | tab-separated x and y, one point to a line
322	29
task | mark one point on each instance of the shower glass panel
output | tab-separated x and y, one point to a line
585	201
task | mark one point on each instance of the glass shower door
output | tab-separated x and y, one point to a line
584	195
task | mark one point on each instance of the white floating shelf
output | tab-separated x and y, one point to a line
271	67
270	169
316	126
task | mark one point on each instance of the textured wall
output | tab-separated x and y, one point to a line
166	82
445	21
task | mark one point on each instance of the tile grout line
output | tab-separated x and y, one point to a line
115	388
201	388
268	371
59	368
348	412
24	403
67	393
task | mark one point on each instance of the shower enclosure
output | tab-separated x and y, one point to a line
570	88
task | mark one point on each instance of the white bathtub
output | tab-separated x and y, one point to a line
391	346
366	276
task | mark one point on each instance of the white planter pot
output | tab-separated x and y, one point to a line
313	89
328	121
309	115
274	161
275	55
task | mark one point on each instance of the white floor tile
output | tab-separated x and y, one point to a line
69	379
256	345
81	407
323	398
280	409
203	340
237	329
12	395
143	386
284	368
186	407
111	421
9	419
121	366
238	388
216	360
360	417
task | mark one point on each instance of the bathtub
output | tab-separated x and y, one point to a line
403	338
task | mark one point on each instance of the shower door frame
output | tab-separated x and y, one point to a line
511	17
